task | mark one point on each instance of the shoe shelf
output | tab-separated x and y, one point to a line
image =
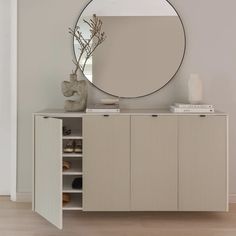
74	157
76	167
75	203
72	172
75	194
72	148
72	136
68	189
75	134
67	184
72	154
72	206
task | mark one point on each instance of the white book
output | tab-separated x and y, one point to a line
88	110
103	108
182	105
191	110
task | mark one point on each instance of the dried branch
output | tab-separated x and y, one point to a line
100	41
88	46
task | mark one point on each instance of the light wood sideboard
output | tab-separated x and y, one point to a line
136	160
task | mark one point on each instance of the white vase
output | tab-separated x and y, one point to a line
195	89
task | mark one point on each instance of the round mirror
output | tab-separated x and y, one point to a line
143	48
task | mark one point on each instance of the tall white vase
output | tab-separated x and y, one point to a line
195	89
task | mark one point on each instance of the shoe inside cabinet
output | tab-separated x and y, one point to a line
72	146
68	146
72	128
78	146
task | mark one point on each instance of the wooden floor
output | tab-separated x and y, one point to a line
17	219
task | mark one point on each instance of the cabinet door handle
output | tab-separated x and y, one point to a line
45	117
203	116
106	115
154	115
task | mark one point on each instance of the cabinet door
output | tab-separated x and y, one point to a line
106	163
203	163
48	169
154	163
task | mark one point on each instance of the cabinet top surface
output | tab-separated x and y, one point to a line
62	113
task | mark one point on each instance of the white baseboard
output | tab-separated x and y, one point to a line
4	193
23	197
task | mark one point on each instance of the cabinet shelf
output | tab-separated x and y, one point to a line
72	154
67	184
75	203
71	190
76	134
72	137
72	172
71	207
76	167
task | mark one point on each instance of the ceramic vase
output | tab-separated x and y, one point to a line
195	89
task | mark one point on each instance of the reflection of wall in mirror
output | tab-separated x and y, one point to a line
126	8
140	54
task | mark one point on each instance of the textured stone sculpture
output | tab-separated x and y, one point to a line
75	87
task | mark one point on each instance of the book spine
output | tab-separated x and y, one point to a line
192	110
193	106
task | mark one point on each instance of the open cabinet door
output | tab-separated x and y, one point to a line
48	169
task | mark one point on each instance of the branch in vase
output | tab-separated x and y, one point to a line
88	46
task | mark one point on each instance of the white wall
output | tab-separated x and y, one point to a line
5	44
45	53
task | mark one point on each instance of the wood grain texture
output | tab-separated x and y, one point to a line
48	169
17	219
203	163
106	163
154	178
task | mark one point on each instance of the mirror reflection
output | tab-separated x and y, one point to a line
143	48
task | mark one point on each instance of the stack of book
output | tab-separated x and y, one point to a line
192	108
103	108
